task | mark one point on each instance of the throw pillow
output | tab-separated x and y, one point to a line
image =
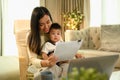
110	38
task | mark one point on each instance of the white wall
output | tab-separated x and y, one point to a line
16	9
110	12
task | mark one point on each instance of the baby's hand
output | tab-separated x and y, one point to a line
78	55
51	54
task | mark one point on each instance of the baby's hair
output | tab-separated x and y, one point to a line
55	26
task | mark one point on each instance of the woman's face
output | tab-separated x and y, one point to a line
45	23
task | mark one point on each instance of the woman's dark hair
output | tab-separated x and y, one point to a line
55	26
34	40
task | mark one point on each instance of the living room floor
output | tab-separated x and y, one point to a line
115	75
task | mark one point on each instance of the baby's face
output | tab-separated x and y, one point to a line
55	35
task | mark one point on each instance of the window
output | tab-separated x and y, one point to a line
104	12
95	13
14	10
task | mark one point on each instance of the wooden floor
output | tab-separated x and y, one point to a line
115	75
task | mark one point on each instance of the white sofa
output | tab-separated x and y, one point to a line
98	41
9	68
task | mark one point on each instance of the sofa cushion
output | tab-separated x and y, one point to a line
94	37
110	39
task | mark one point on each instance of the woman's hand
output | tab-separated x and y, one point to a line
52	60
78	55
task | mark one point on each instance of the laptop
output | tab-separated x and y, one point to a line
67	50
103	64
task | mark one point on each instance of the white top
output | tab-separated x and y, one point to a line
48	47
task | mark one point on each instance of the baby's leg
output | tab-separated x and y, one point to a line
56	71
64	66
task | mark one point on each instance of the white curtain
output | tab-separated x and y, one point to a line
14	10
103	12
4	24
95	13
0	28
8	38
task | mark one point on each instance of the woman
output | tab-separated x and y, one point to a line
41	21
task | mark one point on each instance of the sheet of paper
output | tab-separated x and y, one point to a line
67	50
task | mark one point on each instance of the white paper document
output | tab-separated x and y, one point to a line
67	50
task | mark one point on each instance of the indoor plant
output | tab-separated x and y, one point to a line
73	19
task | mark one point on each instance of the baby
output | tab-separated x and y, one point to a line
55	33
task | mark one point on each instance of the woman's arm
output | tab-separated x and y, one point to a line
49	62
33	58
39	62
